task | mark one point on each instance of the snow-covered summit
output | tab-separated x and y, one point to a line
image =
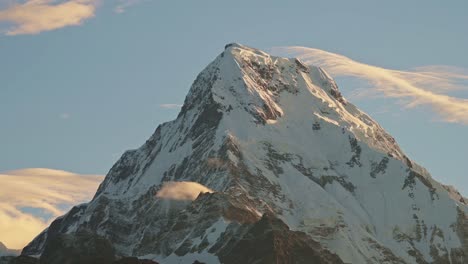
272	136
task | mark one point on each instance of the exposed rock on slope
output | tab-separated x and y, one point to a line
270	241
82	247
19	260
271	136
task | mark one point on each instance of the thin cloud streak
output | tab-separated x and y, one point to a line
45	190
35	16
124	4
170	106
423	86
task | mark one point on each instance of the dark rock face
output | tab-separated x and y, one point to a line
134	260
19	260
79	248
202	213
58	226
356	149
270	241
327	179
5	259
459	256
410	182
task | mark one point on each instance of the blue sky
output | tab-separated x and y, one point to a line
74	98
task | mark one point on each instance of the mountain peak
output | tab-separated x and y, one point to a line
233	45
246	80
236	48
271	136
244	88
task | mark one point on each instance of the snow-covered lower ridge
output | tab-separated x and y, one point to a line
272	137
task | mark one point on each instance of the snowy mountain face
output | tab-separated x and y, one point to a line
296	171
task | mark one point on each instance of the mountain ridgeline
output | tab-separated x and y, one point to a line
4	251
298	175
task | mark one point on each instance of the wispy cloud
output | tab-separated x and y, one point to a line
49	191
184	191
170	106
35	16
124	4
423	86
65	116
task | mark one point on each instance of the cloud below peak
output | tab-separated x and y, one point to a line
423	86
35	16
182	191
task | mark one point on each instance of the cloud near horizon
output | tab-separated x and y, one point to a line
50	192
423	86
